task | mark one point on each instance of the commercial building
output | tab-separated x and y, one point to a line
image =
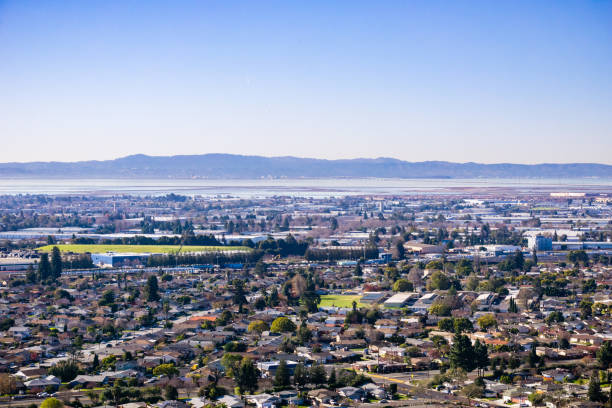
112	259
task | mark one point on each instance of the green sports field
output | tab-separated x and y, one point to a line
154	249
340	301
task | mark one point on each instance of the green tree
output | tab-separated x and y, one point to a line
438	280
447	324
604	355
44	268
108	298
481	355
166	369
461	354
246	376
586	308
463	324
152	289
317	374
282	325
403	285
56	263
486	321
258	326
282	377
170	393
52	403
594	392
300	375
512	306
65	370
332	381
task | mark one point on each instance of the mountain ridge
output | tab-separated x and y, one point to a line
225	165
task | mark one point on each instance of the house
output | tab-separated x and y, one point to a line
264	400
558	374
324	397
43	383
400	299
376	391
424	303
231	401
352	393
89	381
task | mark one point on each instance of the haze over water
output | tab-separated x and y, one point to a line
307	187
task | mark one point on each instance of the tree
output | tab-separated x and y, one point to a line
258	326
52	403
56	263
463	324
170	393
151	289
461	354
473	390
446	324
589	286
260	269
282	325
486	321
238	297
8	385
594	393
246	376
536	398
96	362
577	257
300	376
317	374
554	317
166	369
438	280
403	285
332	381
282	377
604	355
512	306
108	298
65	370
481	355
586	308
44	268
333	224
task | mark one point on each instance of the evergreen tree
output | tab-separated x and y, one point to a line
44	268
317	374
31	275
246	376
332	382
481	355
594	393
462	354
300	376
151	289
96	363
512	308
282	376
604	354
56	263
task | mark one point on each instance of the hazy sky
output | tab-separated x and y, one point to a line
487	81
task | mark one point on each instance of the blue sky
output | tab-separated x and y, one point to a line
461	81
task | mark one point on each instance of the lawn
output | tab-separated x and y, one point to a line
340	301
157	249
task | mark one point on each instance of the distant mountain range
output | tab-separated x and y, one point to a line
220	166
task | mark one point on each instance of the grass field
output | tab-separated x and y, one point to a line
340	301
157	249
